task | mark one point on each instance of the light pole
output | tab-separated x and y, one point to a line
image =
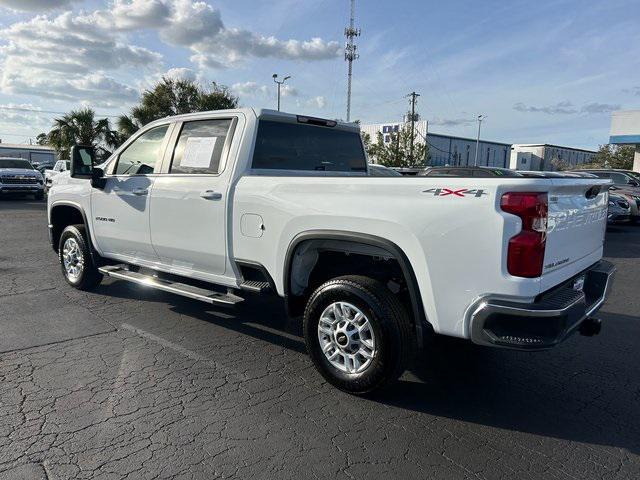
480	119
275	79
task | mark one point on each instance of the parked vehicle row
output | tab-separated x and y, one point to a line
624	202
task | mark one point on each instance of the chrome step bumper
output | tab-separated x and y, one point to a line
549	320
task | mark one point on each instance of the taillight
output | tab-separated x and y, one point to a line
525	257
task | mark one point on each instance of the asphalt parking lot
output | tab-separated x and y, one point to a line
130	383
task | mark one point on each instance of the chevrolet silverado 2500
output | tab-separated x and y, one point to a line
209	205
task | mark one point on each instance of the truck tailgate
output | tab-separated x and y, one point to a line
576	226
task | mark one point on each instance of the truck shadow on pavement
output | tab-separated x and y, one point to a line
585	390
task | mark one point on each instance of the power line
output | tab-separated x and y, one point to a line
35	110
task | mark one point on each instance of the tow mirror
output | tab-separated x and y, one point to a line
82	161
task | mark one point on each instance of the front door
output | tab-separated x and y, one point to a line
120	211
189	201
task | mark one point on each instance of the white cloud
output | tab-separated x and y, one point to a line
451	122
599	108
317	102
181	73
560	108
35	5
65	57
567	108
74	56
24	115
250	88
198	26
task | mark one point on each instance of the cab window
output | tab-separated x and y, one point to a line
142	156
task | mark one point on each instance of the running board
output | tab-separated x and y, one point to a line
186	290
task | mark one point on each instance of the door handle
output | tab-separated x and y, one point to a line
140	191
211	195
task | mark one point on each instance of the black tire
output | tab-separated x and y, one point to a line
89	277
395	336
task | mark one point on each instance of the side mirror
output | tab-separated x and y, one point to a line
82	161
634	183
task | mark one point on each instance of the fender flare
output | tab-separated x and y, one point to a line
372	240
87	226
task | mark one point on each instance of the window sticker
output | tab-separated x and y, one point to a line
198	152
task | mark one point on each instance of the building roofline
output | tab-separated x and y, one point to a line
25	146
444	135
552	145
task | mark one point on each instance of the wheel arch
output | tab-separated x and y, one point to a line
63	214
375	246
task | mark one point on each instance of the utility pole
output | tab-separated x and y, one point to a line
480	119
414	96
275	79
350	53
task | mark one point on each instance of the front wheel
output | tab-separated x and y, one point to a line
357	333
77	265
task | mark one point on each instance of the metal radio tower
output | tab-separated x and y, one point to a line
350	53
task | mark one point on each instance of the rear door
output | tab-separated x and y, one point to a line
189	201
577	221
120	210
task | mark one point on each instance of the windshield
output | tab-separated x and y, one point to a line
293	146
15	163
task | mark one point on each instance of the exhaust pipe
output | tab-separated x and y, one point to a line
590	326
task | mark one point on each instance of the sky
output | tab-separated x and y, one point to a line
547	71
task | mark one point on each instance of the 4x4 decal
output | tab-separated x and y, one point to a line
460	192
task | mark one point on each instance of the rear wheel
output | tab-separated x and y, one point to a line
77	265
358	335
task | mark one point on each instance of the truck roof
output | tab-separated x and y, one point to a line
260	113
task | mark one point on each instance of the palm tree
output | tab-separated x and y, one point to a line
174	97
80	127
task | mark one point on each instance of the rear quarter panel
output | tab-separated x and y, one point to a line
456	243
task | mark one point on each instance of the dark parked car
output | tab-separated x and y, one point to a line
620	178
382	171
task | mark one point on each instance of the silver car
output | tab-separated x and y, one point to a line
18	176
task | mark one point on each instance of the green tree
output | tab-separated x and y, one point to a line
174	97
396	152
613	156
42	139
80	127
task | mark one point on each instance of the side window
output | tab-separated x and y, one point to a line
141	157
619	178
199	147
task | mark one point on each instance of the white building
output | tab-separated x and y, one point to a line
37	154
625	130
547	157
447	149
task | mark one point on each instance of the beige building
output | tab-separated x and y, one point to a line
546	157
625	130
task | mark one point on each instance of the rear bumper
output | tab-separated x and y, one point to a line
547	321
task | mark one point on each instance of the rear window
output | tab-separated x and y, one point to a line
292	146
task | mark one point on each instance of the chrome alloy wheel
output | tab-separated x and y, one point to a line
346	337
72	259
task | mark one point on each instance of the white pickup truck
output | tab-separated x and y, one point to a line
212	204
